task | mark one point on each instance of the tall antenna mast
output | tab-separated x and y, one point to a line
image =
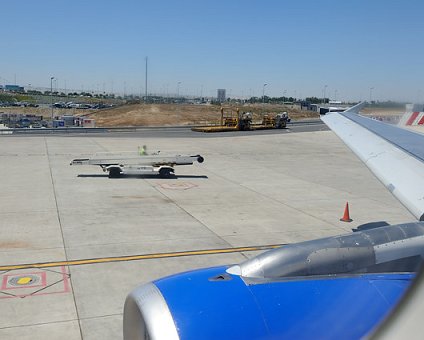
145	96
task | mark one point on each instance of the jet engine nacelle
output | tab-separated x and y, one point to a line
313	289
211	304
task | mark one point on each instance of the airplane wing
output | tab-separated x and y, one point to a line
314	289
394	155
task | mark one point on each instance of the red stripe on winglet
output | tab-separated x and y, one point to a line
421	121
412	118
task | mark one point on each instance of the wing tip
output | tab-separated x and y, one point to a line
353	109
356	108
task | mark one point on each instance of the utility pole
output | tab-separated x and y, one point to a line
263	94
51	96
145	86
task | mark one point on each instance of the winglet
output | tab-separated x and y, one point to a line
356	108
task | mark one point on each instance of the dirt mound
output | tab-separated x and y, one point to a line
154	114
184	114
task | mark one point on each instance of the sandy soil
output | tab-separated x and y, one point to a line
184	114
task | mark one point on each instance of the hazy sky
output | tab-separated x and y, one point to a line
293	46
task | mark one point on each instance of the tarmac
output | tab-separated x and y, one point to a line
74	243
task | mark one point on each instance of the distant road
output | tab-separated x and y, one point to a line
175	132
165	132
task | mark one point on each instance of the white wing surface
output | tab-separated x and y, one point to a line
394	155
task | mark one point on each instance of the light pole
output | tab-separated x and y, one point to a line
371	88
325	89
51	96
178	99
178	90
263	94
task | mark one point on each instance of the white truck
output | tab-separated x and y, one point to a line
133	163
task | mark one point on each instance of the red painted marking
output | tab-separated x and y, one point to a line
412	118
65	276
178	186
65	289
4	284
421	121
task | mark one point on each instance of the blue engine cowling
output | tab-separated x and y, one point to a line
211	304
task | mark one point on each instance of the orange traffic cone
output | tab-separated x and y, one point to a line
346	217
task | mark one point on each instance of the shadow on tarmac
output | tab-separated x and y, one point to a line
143	176
92	175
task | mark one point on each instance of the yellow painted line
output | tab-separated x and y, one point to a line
138	257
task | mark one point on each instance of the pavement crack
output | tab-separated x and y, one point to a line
192	216
61	232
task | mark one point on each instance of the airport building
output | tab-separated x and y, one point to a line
14	88
221	95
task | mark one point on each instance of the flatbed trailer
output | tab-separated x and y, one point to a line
216	128
124	163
